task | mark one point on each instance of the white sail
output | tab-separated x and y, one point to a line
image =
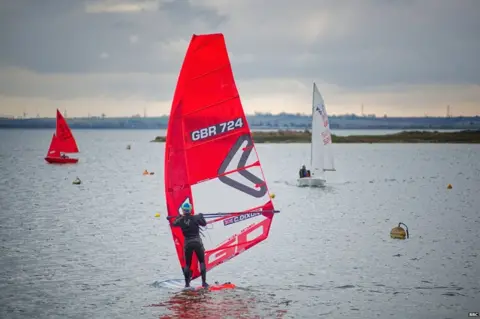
317	149
322	153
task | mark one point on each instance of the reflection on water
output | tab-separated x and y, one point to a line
238	303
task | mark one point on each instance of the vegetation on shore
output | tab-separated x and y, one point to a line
472	137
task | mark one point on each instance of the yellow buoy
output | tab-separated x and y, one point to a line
157	215
272	196
449	186
398	232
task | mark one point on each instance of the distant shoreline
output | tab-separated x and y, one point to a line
283	121
286	136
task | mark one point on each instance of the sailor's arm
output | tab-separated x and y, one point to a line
177	220
201	220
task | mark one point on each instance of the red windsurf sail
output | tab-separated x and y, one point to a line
210	158
66	141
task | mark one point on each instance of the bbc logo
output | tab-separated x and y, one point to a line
474	314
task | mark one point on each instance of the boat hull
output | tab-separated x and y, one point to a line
311	182
61	160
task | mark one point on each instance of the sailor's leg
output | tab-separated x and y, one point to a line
203	270
188	262
200	252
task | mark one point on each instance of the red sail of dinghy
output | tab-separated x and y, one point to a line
210	158
53	149
67	143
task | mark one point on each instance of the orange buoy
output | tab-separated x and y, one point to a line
398	232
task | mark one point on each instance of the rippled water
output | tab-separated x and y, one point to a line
97	251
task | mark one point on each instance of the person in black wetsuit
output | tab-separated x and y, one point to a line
303	172
193	243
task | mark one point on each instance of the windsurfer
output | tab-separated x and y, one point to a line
193	243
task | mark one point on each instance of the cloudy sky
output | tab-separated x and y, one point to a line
400	57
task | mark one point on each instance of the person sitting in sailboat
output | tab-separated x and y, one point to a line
63	155
304	172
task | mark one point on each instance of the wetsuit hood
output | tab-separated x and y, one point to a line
187	208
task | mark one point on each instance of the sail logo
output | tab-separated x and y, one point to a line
327	137
236	244
259	188
239	218
320	108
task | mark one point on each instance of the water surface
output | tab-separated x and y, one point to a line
97	251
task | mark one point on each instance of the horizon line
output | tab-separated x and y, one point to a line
298	114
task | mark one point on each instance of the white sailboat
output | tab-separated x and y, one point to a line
321	158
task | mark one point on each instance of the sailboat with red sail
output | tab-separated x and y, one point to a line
62	142
211	161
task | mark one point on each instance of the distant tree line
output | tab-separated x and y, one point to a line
258	120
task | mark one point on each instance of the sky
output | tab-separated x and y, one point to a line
122	57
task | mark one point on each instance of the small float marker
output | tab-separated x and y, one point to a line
157	215
398	232
272	195
449	186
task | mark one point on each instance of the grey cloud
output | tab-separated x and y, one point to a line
363	44
387	42
73	86
436	43
67	39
